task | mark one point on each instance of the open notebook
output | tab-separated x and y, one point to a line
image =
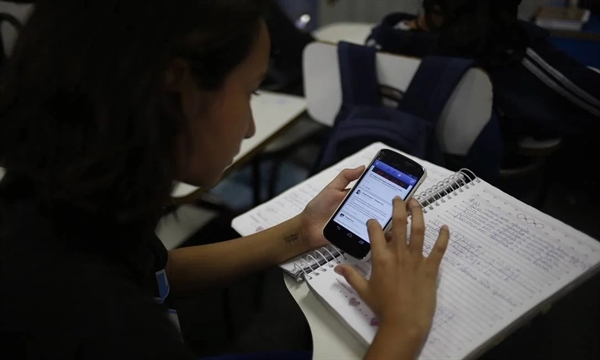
293	201
505	262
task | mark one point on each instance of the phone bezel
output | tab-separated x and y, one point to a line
352	244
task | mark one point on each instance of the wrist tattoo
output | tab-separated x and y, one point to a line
290	239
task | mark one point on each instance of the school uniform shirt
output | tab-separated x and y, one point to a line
75	286
547	93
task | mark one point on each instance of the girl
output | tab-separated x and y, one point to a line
102	106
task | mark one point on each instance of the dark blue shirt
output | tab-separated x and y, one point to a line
77	286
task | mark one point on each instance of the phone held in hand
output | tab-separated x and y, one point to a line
389	174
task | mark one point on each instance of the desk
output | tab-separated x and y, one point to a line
583	46
331	339
272	113
351	32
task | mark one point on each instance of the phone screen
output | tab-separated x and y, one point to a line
372	198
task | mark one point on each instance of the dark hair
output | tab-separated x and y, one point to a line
486	30
84	113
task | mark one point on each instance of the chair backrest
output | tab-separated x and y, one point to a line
19	11
6	18
465	115
355	33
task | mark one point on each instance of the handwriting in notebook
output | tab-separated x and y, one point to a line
352	305
497	265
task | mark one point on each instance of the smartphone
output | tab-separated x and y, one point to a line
390	174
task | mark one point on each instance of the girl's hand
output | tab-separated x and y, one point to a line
402	288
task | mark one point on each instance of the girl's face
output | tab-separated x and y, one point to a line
218	120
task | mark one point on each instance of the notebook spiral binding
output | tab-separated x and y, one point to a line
446	188
312	259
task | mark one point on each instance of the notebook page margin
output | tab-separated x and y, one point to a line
339	298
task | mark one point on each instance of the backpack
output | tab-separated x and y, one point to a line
411	126
547	95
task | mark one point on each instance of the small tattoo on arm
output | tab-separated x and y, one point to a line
290	239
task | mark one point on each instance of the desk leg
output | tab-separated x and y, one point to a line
256	179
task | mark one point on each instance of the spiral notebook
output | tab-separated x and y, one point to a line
293	201
505	262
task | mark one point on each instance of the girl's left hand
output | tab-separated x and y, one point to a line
319	210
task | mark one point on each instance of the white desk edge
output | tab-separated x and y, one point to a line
272	112
331	338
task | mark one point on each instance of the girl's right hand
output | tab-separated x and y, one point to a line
402	288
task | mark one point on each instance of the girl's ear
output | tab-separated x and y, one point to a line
178	71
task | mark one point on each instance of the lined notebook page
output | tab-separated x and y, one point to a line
293	201
504	259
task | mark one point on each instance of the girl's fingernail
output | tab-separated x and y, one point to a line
339	270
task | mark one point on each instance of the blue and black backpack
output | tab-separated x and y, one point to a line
411	125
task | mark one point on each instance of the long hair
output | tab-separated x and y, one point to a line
85	117
486	30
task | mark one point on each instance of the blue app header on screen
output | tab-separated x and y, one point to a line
405	178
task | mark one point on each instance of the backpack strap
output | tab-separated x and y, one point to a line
358	75
433	84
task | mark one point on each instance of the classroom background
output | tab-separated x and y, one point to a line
236	316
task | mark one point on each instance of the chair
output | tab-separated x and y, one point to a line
16	24
306	133
527	177
355	33
467	112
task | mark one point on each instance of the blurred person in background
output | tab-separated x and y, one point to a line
538	90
